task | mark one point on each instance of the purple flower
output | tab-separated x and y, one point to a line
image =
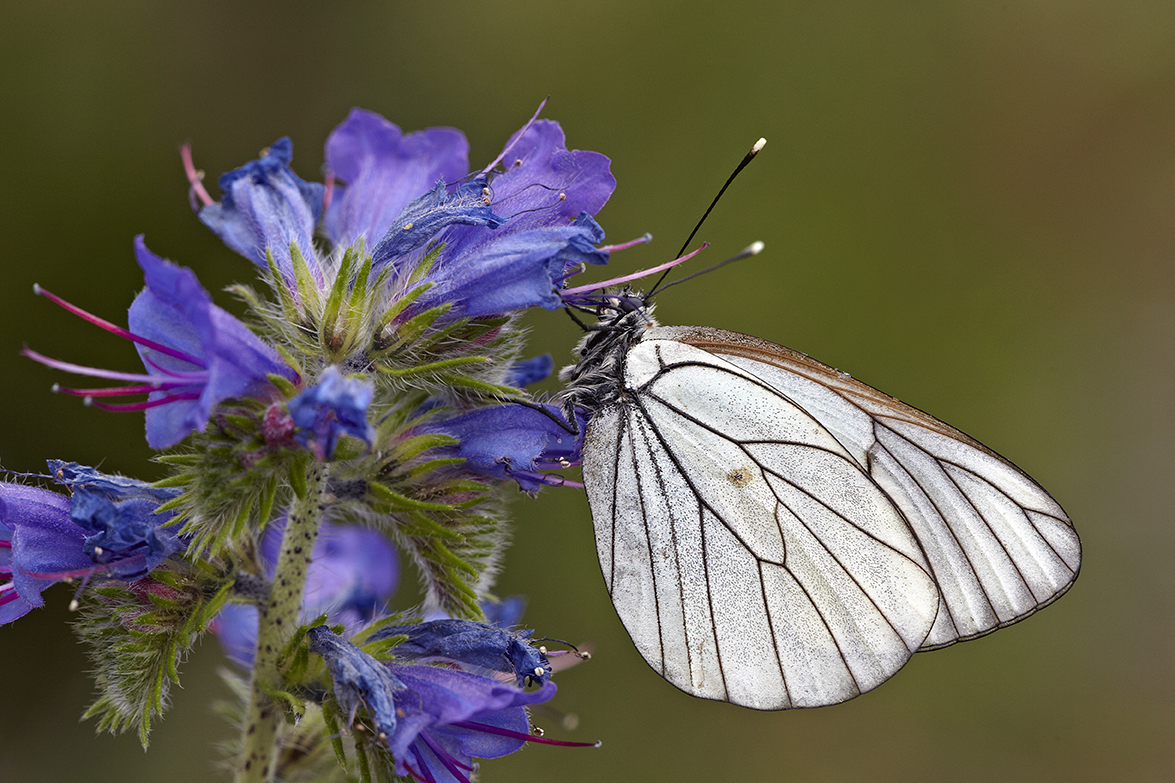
548	195
196	354
385	170
529	371
333	406
435	721
511	442
39	545
108	528
266	207
353	571
124	532
474	644
496	241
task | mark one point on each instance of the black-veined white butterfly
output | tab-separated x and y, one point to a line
776	534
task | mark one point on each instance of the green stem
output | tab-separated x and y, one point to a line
277	618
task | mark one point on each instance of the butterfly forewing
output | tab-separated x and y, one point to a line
998	545
749	556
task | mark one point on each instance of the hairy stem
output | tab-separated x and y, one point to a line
277	618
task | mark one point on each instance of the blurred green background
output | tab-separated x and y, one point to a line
968	205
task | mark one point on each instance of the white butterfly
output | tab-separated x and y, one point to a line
776	534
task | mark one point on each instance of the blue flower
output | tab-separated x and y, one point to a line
435	721
353	572
39	545
333	406
266	207
473	644
124	532
511	442
496	242
529	371
108	528
196	354
385	170
548	195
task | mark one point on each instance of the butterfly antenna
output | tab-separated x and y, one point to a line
753	249
755	149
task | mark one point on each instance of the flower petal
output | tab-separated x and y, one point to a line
46	544
472	643
512	271
175	311
508	441
435	210
118	514
333	406
384	170
266	206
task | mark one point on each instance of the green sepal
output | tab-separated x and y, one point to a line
328	322
243	423
265	504
178	480
334	731
297	477
399	305
433	368
136	643
398	502
283	384
427	467
424	527
411	330
303	278
411	447
186	460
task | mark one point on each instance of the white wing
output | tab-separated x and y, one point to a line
998	545
749	556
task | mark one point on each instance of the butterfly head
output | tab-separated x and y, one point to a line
595	379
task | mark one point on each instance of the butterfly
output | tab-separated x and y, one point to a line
776	534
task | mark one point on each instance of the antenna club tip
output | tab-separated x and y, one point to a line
755	248
758	145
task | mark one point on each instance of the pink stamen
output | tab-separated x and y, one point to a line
456	768
145	404
67	574
191	376
78	369
583	289
517	138
118	330
427	776
626	245
195	178
329	192
8	594
488	729
118	391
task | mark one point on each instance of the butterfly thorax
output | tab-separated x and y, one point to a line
596	379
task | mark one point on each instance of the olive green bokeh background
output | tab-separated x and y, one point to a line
968	205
